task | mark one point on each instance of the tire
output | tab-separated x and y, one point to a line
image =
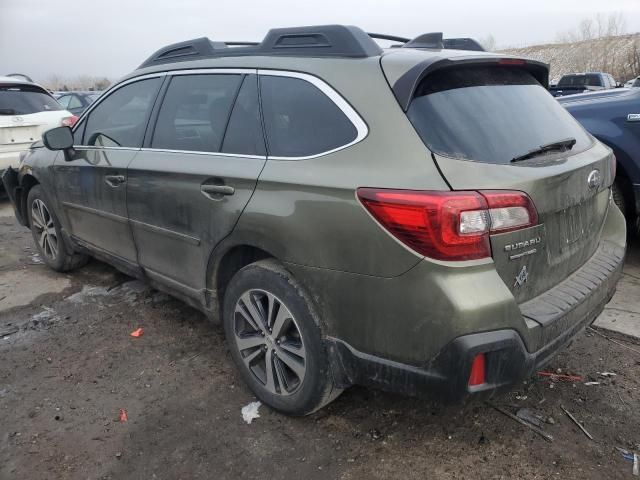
47	234
297	383
619	197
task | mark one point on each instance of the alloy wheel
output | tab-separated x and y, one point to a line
46	235
269	341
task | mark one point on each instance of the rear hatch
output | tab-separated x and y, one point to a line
25	112
495	127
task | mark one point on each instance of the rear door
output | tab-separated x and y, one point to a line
92	187
480	123
188	186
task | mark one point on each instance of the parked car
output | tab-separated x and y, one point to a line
633	83
614	118
26	110
416	219
77	102
582	82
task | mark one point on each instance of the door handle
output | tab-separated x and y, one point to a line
114	180
633	117
215	192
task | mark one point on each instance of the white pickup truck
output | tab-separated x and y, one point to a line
26	111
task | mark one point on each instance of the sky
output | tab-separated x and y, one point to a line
112	37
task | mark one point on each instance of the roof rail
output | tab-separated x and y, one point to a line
313	41
432	40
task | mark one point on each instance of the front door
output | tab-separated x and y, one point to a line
188	186
92	187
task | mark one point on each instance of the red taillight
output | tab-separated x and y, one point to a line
511	61
448	225
478	371
69	121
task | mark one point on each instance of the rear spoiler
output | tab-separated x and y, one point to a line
405	87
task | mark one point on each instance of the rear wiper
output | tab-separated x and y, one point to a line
559	146
7	111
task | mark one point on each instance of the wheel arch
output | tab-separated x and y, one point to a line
27	182
224	263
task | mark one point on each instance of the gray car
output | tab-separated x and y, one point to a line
418	219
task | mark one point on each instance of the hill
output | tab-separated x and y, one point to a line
619	56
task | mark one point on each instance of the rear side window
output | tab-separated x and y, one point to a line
195	112
490	114
579	81
25	99
300	120
244	133
121	118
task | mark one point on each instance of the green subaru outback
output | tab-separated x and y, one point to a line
416	218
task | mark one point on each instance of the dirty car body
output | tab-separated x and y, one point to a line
431	261
613	117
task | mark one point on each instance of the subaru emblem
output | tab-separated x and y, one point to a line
594	179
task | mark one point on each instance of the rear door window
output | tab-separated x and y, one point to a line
490	114
25	99
195	112
244	134
300	120
121	118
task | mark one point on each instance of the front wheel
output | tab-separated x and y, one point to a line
275	340
47	234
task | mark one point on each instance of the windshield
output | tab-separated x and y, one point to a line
490	114
636	82
580	81
25	99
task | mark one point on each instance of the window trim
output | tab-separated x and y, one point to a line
356	120
352	115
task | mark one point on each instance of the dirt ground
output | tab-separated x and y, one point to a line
68	365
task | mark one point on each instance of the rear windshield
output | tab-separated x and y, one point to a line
25	99
490	114
580	81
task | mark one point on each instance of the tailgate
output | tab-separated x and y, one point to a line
496	127
570	212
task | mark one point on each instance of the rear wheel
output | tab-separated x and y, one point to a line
275	340
47	234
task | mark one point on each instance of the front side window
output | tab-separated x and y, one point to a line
300	120
195	112
121	119
64	101
74	102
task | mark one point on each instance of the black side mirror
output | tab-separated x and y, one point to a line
60	138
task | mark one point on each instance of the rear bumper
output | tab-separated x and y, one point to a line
11	159
567	309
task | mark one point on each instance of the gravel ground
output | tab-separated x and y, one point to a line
68	366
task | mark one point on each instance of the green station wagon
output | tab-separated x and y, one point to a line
420	218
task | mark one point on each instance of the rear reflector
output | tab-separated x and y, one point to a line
449	225
478	368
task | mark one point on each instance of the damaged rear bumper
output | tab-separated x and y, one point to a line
564	311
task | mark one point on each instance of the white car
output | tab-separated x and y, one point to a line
634	82
26	111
